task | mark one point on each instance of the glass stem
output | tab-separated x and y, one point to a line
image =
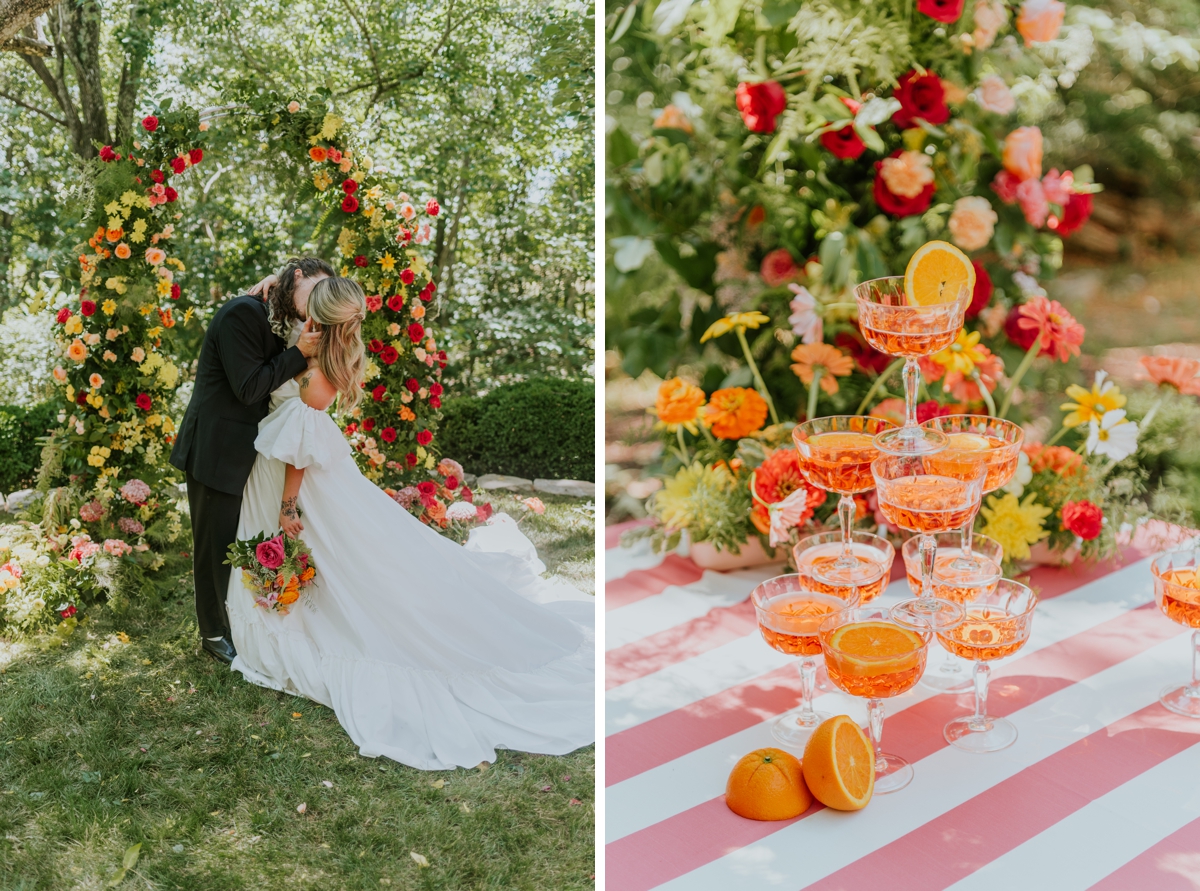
846	511
968	532
1195	691
912	381
928	550
875	728
983	673
808	683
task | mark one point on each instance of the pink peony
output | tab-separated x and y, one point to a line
270	553
1032	198
135	492
91	512
1040	20
1023	153
130	526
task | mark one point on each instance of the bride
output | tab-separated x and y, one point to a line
431	654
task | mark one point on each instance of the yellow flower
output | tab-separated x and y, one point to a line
732	321
330	126
109	307
128	198
692	496
322	180
1015	525
962	355
164	287
1090	405
388	262
73	325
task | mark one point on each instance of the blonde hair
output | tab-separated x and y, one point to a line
339	307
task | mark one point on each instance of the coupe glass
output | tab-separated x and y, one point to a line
997	625
1177	592
789	616
927	494
817	557
874	678
835	455
893	326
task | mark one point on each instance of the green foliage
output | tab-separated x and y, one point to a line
543	427
1169	450
20	451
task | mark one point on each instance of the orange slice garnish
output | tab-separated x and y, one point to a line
868	649
938	273
842	440
968	442
839	765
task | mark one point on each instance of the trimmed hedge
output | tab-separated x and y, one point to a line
20	451
541	428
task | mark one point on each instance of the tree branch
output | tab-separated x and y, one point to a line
18	14
17	101
383	87
27	46
366	33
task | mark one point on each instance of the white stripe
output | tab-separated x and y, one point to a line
826	842
1102	836
677	604
619	562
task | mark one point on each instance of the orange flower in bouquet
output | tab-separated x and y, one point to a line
678	404
774	480
810	358
1058	459
735	412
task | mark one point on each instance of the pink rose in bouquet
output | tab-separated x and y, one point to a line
270	553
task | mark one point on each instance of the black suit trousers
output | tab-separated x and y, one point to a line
214	529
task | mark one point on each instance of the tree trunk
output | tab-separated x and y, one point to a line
139	42
16	15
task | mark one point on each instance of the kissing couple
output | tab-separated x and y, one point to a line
430	653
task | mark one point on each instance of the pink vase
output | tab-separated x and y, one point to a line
706	556
1042	555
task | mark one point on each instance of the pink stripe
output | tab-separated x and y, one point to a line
643	583
1169	865
968	837
708	831
612	534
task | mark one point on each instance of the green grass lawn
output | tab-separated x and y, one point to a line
129	734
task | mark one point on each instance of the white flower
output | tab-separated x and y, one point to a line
461	510
994	95
806	323
1113	436
1022	476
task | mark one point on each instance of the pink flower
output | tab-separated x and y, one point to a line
972	223
1005	186
270	553
130	526
91	512
990	17
805	321
374	303
135	492
116	547
1032	198
1059	333
407	496
1023	153
1040	20
534	504
1058	188
293	107
994	95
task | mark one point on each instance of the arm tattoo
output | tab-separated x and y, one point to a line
288	508
304	381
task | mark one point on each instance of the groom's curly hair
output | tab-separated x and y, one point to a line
281	302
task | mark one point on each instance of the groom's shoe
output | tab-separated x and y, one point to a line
221	649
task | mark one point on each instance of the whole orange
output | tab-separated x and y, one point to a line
767	784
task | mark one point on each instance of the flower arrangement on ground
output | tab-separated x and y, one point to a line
444	503
276	568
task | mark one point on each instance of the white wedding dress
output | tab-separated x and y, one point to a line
431	653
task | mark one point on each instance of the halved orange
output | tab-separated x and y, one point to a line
937	274
839	765
767	784
968	442
872	648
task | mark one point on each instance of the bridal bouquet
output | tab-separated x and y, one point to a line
276	568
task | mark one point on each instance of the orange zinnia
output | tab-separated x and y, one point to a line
1058	332
678	404
1059	459
317	153
735	412
1174	371
808	357
774	480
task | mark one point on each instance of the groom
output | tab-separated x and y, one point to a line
244	358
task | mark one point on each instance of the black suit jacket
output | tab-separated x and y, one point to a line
241	362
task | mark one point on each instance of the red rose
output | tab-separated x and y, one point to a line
81	399
431	208
432	288
466	494
931	409
415	332
1005	186
441	358
349	186
175	291
196	155
374	302
1083	518
375	345
63	315
87	307
1075	214
424	438
377	393
760	104
369	425
388	355
1021	337
360	261
144	402
436	390
898	205
920	96
157	176
844	143
68	612
171	194
778	267
452	482
107	154
388	434
150	122
351	428
864	355
427	487
426	293
178	165
412	385
435	401
941	10
350	204
410	459
395	303
407	276
982	294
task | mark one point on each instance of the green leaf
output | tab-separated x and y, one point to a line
779	12
698	268
624	23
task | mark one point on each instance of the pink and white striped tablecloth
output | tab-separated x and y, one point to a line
1101	789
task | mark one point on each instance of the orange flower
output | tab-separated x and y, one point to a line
678	404
735	412
307	574
164	315
774	480
1040	20
77	351
406	413
1059	459
436	511
288	595
891	409
1174	371
122	251
833	363
1023	153
317	153
673	118
115	235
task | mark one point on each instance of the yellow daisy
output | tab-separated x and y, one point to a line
962	355
1015	525
387	262
732	321
1090	405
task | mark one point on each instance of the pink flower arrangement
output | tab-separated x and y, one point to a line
130	526
116	547
135	492
91	512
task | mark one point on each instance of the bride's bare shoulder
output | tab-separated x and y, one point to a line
315	389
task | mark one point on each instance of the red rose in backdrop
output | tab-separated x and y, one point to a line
375	345
941	10
360	261
760	104
1083	518
982	294
1075	214
63	315
412	385
144	402
349	186
432	208
175	291
1021	337
87	307
350	204
410	459
395	303
407	276
416	332
171	194
424	438
150	122
107	154
178	165
899	205
844	143
388	434
378	393
778	267
196	155
864	355
157	176
369	425
435	390
920	96
388	355
932	409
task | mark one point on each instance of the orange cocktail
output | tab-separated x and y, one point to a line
869	655
789	616
1177	593
820	560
